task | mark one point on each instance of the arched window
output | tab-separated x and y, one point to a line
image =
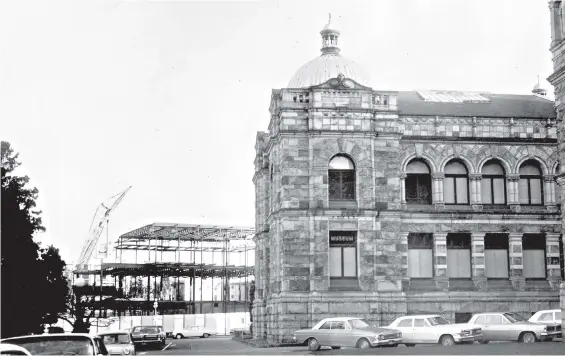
418	182
341	178
456	184
493	184
530	186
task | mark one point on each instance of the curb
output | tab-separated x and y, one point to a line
264	345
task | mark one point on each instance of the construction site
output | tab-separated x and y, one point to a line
174	275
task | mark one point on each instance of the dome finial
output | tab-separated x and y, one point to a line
329	38
538	90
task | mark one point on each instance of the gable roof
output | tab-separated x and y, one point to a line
411	103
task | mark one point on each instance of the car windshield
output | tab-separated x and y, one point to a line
116	339
358	324
146	330
61	345
513	317
437	320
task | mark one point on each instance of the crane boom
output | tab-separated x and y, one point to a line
99	222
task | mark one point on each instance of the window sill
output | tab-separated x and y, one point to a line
344	283
343	204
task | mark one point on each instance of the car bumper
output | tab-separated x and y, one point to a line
153	341
549	335
467	338
386	342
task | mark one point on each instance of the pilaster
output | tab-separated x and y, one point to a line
440	261
512	198
403	237
478	260
516	260
437	190
552	264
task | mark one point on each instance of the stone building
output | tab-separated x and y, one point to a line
377	203
557	79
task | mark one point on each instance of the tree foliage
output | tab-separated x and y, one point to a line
34	288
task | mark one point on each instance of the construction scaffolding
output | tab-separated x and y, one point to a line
175	259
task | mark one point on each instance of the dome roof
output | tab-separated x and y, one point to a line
329	65
538	89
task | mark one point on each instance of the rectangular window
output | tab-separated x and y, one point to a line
418	188
343	254
459	255
493	191
455	190
496	255
533	249
341	184
499	191
420	255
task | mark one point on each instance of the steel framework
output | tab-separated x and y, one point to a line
192	246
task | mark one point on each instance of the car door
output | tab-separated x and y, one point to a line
422	331
405	326
338	333
499	330
322	334
488	333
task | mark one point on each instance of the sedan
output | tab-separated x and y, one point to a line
346	332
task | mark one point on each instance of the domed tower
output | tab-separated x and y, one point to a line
539	90
330	138
330	64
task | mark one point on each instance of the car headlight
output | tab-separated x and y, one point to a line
399	334
127	351
380	337
545	328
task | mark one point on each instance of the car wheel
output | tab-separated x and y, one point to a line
363	344
313	345
179	336
410	345
528	338
336	347
206	336
484	342
447	340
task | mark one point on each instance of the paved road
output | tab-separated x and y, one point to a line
221	345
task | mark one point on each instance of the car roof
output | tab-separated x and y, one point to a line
341	318
119	332
548	311
419	316
48	336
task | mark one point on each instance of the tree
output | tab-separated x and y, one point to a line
27	298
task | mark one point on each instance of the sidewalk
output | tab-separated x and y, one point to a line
263	343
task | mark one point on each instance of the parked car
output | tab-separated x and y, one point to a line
194	331
346	332
433	329
150	334
60	344
548	317
118	342
245	329
10	349
512	327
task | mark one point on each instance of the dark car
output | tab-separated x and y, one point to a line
150	334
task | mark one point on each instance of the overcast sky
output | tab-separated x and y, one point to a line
167	96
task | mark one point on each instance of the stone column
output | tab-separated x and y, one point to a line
475	186
437	190
552	264
512	197
478	260
440	260
549	193
562	304
556	24
560	180
403	176
403	237
516	260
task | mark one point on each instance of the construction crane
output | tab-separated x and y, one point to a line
99	222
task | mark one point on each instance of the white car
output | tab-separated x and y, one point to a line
548	317
194	331
433	329
11	349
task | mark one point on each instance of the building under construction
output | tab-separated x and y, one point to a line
187	269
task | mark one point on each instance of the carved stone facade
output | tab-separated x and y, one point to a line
557	79
398	221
